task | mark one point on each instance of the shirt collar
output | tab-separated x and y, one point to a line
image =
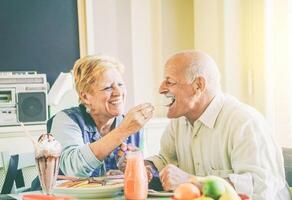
209	116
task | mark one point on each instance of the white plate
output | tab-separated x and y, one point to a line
91	192
159	194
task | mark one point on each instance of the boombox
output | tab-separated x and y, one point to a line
23	98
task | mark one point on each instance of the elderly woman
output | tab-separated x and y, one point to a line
92	133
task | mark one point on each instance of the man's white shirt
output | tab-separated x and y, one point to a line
230	140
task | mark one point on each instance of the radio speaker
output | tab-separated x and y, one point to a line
31	106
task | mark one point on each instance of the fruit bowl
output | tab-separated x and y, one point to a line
207	188
242	197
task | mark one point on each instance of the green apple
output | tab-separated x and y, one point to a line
213	188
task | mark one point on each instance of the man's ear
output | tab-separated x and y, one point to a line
199	84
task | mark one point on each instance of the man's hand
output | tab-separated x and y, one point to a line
171	176
149	173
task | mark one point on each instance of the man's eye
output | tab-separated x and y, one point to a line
120	84
169	83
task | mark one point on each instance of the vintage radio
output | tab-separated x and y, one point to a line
23	98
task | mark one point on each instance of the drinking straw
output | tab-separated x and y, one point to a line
29	136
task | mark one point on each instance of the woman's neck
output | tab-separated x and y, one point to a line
103	124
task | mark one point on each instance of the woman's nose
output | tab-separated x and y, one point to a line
118	90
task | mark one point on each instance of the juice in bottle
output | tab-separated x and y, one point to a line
136	182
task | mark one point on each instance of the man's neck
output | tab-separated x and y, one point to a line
200	108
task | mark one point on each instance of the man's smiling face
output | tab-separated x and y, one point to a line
177	88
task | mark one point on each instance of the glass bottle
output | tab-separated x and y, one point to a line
136	181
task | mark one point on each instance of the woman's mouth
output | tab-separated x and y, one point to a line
116	102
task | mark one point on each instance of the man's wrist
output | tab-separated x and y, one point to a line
152	168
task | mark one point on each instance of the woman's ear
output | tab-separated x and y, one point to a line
85	98
199	84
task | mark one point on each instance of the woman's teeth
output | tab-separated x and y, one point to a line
116	102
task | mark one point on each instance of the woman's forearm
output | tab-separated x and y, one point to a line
105	145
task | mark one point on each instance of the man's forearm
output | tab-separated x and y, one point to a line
152	167
155	180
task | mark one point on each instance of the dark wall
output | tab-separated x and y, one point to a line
38	35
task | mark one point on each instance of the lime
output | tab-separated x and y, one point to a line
213	188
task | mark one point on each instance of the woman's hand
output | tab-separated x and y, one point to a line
121	155
136	118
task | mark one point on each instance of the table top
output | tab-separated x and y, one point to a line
119	197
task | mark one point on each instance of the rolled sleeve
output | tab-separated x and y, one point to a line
89	157
77	159
242	183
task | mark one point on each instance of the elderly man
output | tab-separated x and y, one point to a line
214	134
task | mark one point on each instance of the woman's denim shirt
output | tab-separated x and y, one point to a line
90	134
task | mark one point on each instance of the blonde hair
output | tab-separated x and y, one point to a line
87	70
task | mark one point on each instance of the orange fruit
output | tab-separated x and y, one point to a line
186	191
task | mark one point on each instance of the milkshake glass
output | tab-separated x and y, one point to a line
47	155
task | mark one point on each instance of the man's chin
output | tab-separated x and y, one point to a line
174	114
171	115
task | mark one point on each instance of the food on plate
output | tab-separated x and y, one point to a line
114	172
89	183
47	155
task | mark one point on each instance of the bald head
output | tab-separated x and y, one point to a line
197	63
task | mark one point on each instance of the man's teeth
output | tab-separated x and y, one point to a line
170	99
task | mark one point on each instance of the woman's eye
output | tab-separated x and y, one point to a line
107	88
120	84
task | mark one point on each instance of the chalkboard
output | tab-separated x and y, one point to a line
39	35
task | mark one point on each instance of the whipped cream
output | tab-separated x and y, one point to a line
48	146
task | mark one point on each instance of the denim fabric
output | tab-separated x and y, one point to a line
90	134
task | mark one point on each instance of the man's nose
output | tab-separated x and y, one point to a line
163	89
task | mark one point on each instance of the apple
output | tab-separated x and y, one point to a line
213	188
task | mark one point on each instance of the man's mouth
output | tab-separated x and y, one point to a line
170	99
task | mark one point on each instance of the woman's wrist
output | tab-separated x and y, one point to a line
122	131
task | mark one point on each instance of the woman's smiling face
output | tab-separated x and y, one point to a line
108	94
